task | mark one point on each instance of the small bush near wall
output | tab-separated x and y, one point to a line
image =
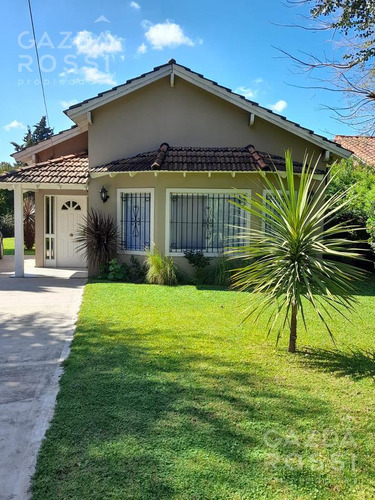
161	269
220	271
7	225
135	272
199	262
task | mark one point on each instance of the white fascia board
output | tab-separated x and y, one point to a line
57	139
258	111
75	113
34	186
95	175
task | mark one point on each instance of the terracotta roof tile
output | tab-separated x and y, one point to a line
362	146
72	169
198	159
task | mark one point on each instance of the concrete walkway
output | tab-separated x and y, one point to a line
7	269
37	321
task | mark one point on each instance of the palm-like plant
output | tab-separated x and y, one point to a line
98	238
291	254
29	221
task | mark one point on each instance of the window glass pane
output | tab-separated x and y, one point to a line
202	222
52	218
47	214
268	226
136	221
47	250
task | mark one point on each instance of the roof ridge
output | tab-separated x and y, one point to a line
172	63
256	156
160	155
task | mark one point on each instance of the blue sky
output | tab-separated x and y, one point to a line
87	47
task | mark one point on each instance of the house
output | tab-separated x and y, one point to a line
362	147
165	150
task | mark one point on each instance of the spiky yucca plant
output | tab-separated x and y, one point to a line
97	238
294	259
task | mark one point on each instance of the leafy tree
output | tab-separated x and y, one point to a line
292	261
352	72
361	197
5	166
41	132
6	197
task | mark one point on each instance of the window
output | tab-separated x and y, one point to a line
271	198
135	214
202	221
49	230
73	205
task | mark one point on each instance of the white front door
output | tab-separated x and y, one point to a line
70	213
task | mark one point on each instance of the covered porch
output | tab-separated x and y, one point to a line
60	187
30	270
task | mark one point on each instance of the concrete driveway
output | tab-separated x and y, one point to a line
37	321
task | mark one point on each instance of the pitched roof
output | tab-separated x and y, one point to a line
71	169
362	146
77	112
197	159
57	138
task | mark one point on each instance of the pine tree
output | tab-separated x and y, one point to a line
40	133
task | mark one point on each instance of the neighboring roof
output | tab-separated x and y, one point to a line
47	143
72	169
198	159
78	112
362	146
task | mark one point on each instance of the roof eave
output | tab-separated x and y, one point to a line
27	153
34	186
78	113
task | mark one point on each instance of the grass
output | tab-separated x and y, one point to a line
166	395
9	247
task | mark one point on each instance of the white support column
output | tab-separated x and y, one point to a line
18	232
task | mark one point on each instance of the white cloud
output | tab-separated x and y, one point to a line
94	75
92	45
67	104
279	106
90	75
258	80
135	5
142	49
246	92
14	124
167	34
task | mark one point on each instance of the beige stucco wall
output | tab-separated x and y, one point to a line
160	184
182	116
39	218
77	144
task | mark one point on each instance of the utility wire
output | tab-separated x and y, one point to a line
38	61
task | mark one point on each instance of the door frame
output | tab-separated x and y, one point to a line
54	218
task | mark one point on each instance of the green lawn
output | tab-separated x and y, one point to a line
167	396
9	247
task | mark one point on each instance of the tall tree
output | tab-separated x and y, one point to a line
352	69
41	132
290	258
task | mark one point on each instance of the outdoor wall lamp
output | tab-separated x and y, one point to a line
104	194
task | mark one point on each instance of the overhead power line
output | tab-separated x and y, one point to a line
38	62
